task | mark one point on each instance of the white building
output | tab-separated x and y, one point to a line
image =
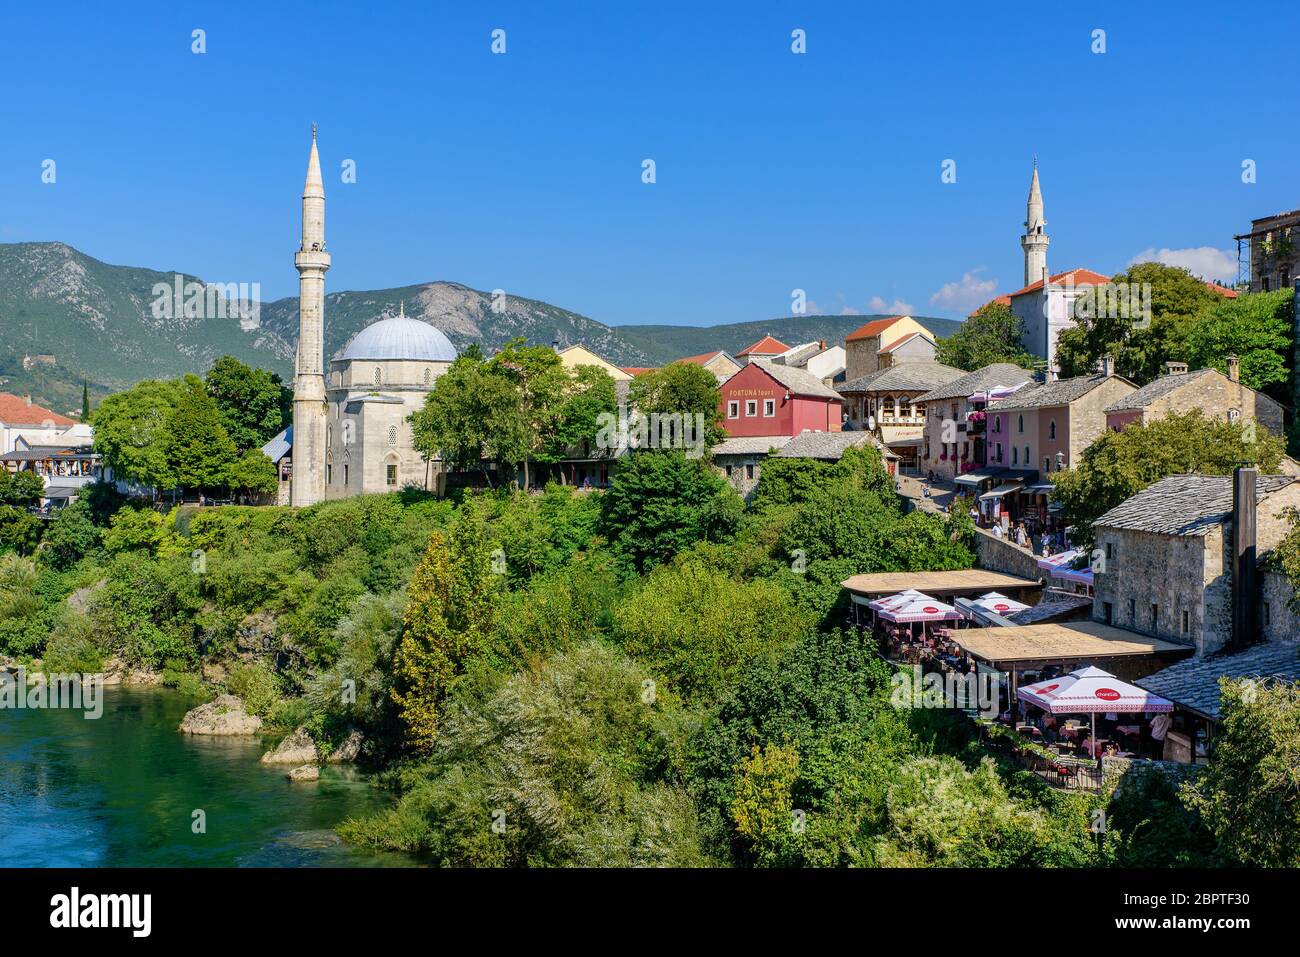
350	433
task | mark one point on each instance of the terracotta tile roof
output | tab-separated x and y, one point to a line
872	329
996	300
1227	292
765	346
704	358
1079	277
16	410
636	370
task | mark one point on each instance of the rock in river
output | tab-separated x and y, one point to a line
223	716
308	772
297	748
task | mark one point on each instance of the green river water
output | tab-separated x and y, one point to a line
121	790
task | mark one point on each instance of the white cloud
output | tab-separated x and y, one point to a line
967	293
895	308
1204	261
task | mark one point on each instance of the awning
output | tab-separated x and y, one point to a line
919	608
61	491
1058	566
1044	487
975	476
1000	491
1000	604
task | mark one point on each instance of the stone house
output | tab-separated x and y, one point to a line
1274	251
1047	426
740	460
575	356
887	404
817	358
863	345
1217	395
953	438
1163	564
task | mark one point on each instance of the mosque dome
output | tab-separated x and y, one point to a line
399	337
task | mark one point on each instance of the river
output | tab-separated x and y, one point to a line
121	791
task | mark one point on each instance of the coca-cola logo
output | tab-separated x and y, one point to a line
1001	607
930	610
1049	689
1107	694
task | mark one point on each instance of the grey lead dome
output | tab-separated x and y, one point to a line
399	337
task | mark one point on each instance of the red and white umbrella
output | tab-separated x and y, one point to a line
1088	691
891	601
920	607
999	604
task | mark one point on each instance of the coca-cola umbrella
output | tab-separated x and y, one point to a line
999	603
1088	691
919	607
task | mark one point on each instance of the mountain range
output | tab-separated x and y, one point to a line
66	317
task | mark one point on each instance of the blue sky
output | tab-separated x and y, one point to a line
775	171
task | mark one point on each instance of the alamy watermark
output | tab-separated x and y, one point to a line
208	300
78	692
659	430
975	691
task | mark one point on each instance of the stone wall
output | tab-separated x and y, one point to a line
1215	394
1088	415
999	555
1149	580
1280	619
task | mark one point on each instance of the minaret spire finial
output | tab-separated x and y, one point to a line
401	310
313	138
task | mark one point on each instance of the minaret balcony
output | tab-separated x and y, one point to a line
311	259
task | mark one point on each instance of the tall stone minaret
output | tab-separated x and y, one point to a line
312	261
1035	240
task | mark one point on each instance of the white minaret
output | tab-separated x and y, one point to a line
1034	241
312	261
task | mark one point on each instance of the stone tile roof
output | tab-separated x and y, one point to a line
1060	392
750	444
1050	609
827	445
904	377
1156	389
1194	683
798	381
798	356
982	379
1184	504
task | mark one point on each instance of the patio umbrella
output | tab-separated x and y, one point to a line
891	600
999	604
922	608
1088	691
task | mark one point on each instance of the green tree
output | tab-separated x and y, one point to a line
1140	349
199	451
70	537
447	622
661	502
253	473
592	394
135	529
254	404
993	334
20	488
1120	464
694	626
1250	794
20	530
461	413
1255	328
85	401
683	388
541	388
763	810
794	481
131	431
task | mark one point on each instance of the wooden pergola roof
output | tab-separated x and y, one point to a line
936	583
1059	643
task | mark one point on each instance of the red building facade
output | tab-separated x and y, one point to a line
767	399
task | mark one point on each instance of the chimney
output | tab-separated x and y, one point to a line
1108	366
1245	597
1175	368
823	345
1234	368
28	399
